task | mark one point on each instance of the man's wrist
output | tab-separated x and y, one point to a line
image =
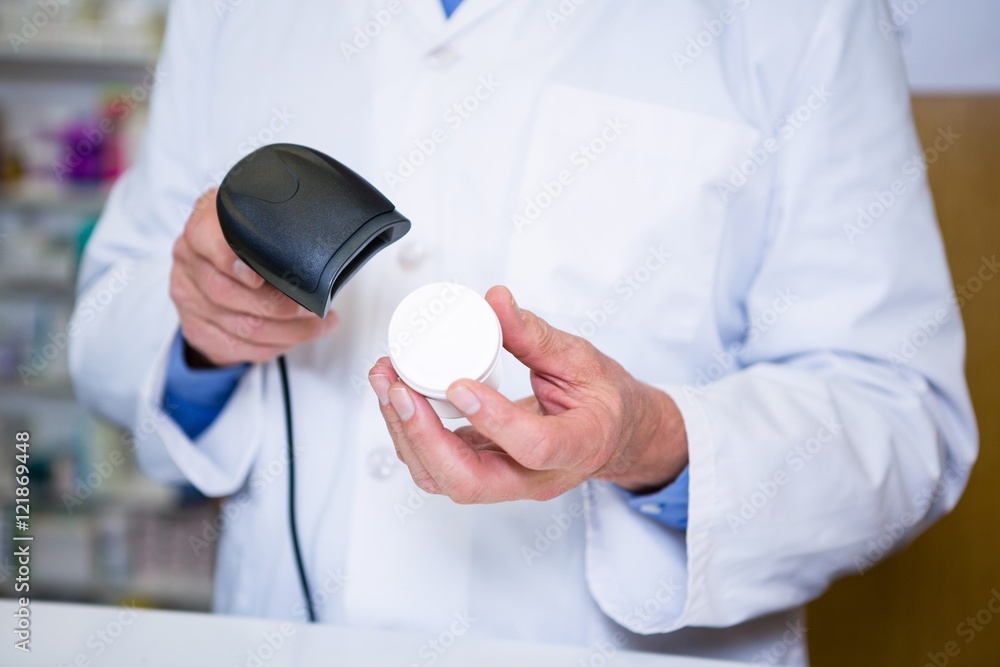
194	358
660	450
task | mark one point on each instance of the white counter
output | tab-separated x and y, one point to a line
92	636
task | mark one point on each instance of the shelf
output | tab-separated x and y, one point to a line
136	493
172	590
37	289
49	391
129	497
74	63
82	200
166	591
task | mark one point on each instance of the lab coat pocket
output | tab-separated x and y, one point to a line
618	218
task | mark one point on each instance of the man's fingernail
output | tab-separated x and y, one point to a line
400	399
380	383
244	273
513	302
464	400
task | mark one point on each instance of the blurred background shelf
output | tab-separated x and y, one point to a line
76	63
10	389
85	200
11	287
92	38
73	103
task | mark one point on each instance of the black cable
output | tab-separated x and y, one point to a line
282	368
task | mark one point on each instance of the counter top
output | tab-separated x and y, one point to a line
64	635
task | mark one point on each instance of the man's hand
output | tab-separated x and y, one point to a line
588	418
228	313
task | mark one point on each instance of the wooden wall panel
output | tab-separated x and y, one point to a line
913	603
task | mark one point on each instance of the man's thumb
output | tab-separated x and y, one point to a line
536	344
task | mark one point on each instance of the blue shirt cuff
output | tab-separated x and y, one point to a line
668	506
194	397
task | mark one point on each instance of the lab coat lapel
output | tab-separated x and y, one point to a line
431	16
441	29
469	13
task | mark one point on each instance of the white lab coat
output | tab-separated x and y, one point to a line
815	354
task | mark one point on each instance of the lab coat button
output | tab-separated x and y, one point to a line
412	255
442	58
382	462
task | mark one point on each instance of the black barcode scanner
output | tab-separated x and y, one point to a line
304	221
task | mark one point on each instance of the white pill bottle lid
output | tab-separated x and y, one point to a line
440	333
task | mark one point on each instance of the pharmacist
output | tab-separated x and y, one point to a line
746	358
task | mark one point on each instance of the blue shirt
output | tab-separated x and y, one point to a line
669	505
194	398
449	6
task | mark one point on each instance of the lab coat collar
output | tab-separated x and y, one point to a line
441	29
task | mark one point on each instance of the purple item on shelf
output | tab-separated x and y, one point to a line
85	146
